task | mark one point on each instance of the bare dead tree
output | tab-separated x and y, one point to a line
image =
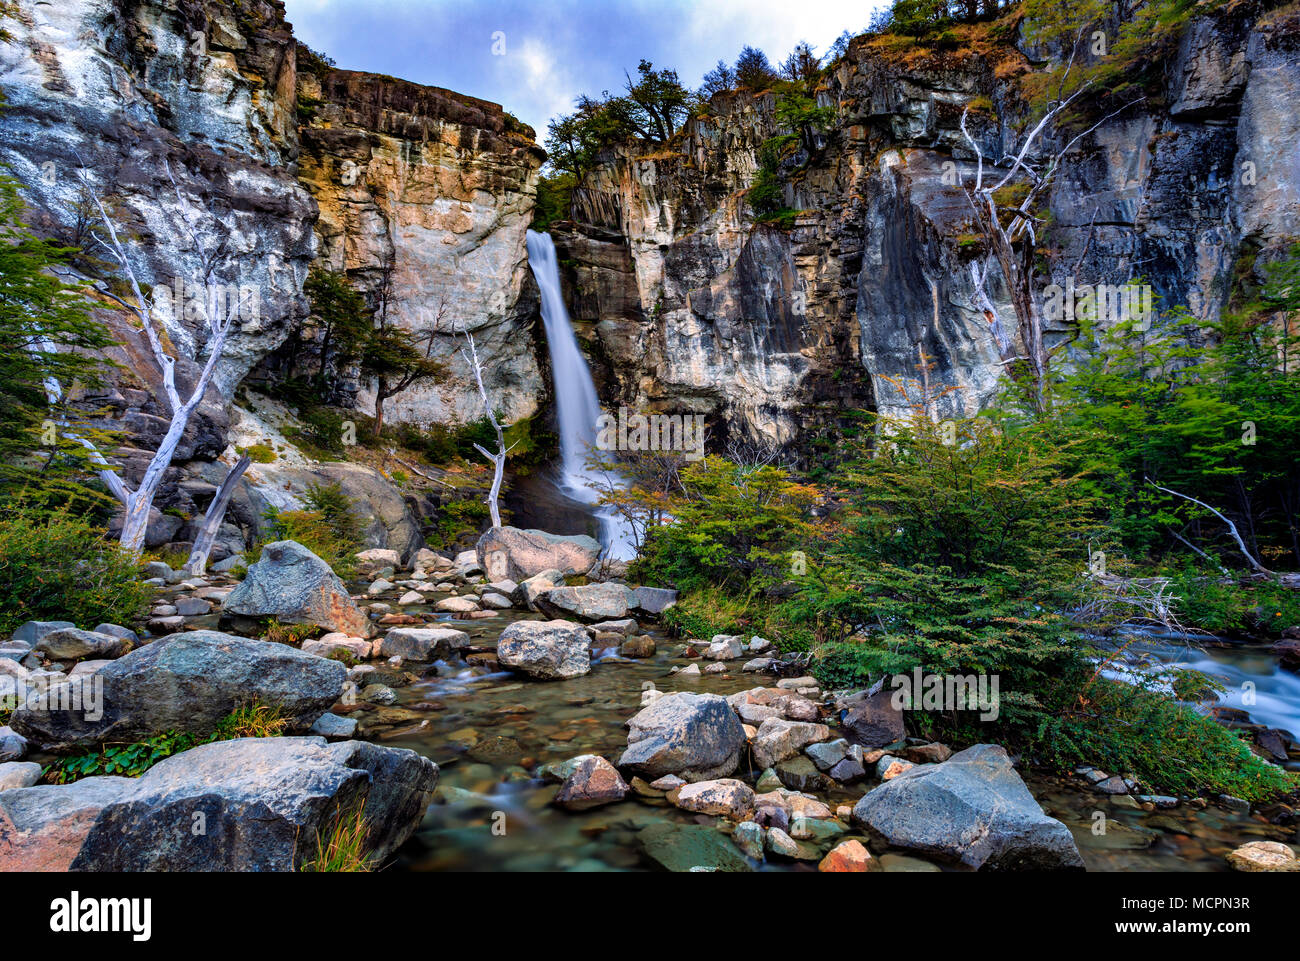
1012	234
138	502
1232	528
498	459
198	561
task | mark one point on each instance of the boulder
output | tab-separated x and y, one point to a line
422	643
725	797
640	645
532	588
13	746
593	781
72	644
456	605
334	728
695	736
294	586
117	630
263	803
725	647
43	828
779	739
654	600
1264	856
690	847
332	644
185	682
545	649
590	602
871	720
377	558
848	856
18	774
32	631
508	552
973	809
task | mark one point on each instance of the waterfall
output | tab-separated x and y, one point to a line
576	406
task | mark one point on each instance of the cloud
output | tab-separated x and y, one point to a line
558	49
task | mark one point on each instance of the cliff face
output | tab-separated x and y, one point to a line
694	308
433	188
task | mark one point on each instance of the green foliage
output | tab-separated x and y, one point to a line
1170	747
59	566
342	845
262	453
46	332
329	528
1211	602
554	196
132	760
735	527
458	518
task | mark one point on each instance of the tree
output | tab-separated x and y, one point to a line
341	310
219	319
47	338
497	458
802	66
656	103
754	71
718	80
391	354
1005	212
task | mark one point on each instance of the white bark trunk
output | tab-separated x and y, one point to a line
198	561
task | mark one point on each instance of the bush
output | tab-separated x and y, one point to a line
56	566
329	529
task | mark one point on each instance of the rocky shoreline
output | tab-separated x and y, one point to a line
762	772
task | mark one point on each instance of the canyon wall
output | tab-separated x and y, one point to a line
692	307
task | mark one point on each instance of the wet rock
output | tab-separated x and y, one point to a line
626	626
294	586
724	648
116	630
337	643
690	670
42	828
973	808
508	552
71	644
1264	856
641	645
829	753
495	601
263	801
13	746
33	631
654	600
378	587
846	857
716	668
668	782
422	643
1287	652
532	588
457	605
724	797
592	783
779	739
690	847
850	769
185	682
497	751
334	728
757	664
695	736
545	649
410	598
192	606
1272	743
18	774
889	767
378	694
749	837
800	774
590	602
934	753
871	720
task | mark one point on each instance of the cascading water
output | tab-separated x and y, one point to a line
576	407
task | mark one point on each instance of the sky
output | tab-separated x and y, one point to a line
535	57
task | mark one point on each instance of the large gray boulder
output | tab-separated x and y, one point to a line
43	827
695	736
74	644
508	552
294	586
589	602
422	643
870	719
185	682
545	650
254	804
973	809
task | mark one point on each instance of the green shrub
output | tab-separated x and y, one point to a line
329	528
56	566
259	453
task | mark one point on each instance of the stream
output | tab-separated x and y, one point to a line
490	731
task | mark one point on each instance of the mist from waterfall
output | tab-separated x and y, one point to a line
577	408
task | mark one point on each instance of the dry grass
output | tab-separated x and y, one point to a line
342	847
